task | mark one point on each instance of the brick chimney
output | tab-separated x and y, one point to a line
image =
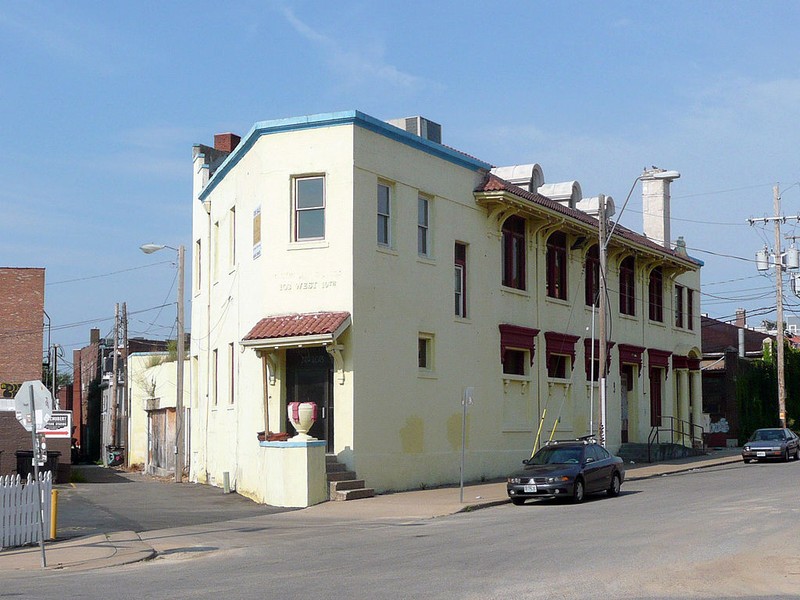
226	142
741	318
94	336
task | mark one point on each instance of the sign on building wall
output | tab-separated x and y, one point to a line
257	232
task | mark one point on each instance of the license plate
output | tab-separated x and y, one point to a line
761	453
529	489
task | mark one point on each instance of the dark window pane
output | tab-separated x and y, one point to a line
310	224
310	192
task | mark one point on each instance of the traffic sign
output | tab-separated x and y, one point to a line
42	401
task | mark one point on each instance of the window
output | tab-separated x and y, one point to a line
232	237
515	362
214	374
679	316
627	289
592	276
557	366
231	368
689	309
460	259
309	208
425	352
384	214
215	251
514	253
656	295
557	266
423	226
198	264
257	232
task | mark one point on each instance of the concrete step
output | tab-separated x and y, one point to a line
335	467
347	484
344	495
342	476
331	458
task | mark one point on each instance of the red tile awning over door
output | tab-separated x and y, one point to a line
285	329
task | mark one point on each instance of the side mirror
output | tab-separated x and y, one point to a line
524	461
589	459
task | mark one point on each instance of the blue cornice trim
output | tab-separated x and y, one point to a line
352	117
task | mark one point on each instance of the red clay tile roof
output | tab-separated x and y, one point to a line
493	183
319	323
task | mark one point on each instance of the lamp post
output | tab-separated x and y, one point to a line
180	349
604	239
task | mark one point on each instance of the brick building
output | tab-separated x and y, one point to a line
21	351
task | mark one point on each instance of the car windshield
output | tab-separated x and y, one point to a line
556	456
764	435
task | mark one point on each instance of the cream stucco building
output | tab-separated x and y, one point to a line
378	273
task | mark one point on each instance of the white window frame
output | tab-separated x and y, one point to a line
427	338
424	229
297	212
384	219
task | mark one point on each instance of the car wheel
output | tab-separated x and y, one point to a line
578	491
613	489
518	501
746	461
786	455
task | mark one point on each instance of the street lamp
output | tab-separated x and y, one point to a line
604	239
179	436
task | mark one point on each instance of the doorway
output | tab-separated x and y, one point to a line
309	378
655	397
626	386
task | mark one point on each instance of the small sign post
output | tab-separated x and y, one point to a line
466	400
25	402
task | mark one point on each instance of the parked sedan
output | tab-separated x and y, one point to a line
771	443
567	469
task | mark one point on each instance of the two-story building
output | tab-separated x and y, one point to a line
343	260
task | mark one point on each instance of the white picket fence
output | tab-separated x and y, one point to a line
19	509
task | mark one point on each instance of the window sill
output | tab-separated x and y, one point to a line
558	301
517	292
656	323
628	317
427	375
387	250
558	381
462	320
309	245
523	380
426	260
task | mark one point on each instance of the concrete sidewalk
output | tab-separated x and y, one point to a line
124	547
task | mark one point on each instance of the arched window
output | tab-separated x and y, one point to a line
514	253
627	288
656	295
557	266
592	276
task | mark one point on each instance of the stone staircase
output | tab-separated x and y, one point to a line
343	484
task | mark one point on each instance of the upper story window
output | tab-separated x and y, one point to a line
515	362
592	287
309	208
257	232
215	251
460	261
557	366
198	264
384	214
425	352
514	253
689	308
232	237
656	295
423	226
627	288
557	266
679	307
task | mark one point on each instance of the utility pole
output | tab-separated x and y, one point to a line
125	411
779	268
54	373
601	218
114	378
180	437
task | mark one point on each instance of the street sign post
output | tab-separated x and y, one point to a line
30	395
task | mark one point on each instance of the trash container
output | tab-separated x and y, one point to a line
25	463
115	455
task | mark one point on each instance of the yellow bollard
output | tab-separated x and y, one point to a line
53	513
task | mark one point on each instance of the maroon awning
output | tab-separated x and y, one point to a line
516	336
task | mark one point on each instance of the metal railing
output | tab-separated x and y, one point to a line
683	431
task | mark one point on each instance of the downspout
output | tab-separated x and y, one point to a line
207	207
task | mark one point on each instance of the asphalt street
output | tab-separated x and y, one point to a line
722	532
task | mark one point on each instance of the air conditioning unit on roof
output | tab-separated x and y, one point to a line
420	126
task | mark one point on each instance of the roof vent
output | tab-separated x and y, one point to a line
567	193
420	126
528	177
591	206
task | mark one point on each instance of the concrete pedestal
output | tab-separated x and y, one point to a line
295	473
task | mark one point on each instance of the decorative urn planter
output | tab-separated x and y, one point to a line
302	416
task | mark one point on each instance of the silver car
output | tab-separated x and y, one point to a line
771	443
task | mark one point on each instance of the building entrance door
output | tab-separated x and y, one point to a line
625	383
655	397
309	375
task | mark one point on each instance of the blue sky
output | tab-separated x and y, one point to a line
102	102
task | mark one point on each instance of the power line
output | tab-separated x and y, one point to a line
163	262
